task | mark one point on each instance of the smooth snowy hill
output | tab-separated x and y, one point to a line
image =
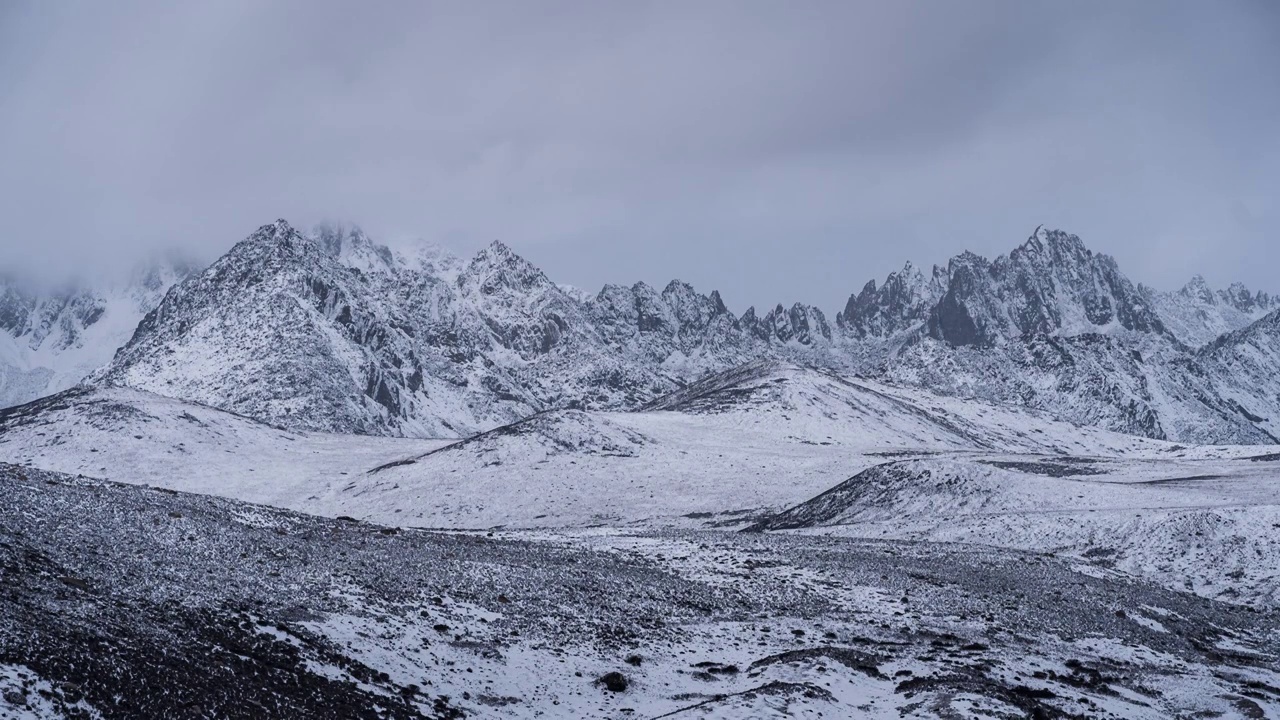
747	442
1202	524
140	437
51	340
735	449
721	452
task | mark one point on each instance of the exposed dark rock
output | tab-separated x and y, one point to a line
613	681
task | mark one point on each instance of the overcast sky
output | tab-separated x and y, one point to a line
779	151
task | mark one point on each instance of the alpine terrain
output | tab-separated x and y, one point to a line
322	478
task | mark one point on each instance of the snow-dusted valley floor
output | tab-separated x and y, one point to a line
750	441
775	541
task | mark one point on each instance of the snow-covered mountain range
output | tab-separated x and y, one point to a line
331	331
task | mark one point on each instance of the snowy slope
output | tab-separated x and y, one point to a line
760	439
733	450
1203	524
727	450
139	437
1243	362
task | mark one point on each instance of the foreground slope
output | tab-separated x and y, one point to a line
139	613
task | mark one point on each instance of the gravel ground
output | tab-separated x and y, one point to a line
121	601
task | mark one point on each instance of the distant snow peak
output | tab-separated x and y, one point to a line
51	338
1197	314
497	269
352	247
902	303
800	324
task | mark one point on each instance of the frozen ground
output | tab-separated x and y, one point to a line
169	605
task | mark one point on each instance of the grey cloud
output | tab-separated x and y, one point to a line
776	151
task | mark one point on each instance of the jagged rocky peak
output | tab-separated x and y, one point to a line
1050	285
902	303
1241	298
800	324
1198	289
952	319
279	233
625	309
284	330
677	311
268	249
692	311
1062	246
1236	295
281	245
646	307
498	269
